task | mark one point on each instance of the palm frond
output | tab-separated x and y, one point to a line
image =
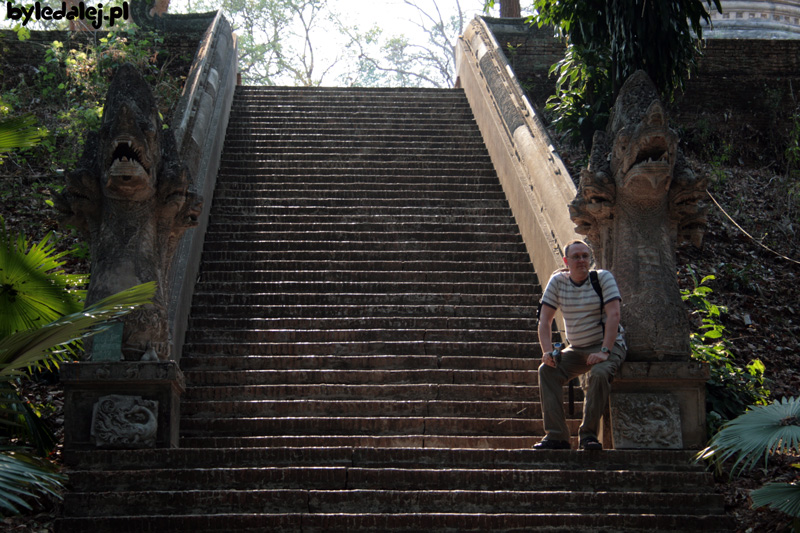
783	497
19	132
758	433
29	349
25	476
34	290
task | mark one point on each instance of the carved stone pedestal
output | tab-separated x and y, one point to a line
656	405
121	404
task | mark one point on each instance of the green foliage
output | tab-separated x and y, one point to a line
19	132
34	289
719	159
783	497
31	348
760	433
24	476
579	106
20	474
731	387
68	92
607	41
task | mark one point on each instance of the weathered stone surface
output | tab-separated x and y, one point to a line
87	385
636	201
124	422
646	421
130	195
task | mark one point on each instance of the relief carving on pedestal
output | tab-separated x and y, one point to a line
125	422
646	421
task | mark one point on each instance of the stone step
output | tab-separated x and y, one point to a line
348	180
360	235
386	287
288	94
383	119
204	323
203	377
213	270
254	279
417	132
396	457
435	151
277	310
354	408
409	522
203	298
322	105
392	502
313	166
387	478
352	425
342	212
258	258
409	223
358	336
375	346
416	205
493	442
433	147
365	195
355	160
300	244
354	362
273	186
406	391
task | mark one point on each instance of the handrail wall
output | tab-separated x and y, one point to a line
534	178
199	127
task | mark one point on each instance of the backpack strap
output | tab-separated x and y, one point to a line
593	277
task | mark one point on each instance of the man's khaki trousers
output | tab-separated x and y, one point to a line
595	381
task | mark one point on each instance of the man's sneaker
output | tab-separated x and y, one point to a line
591	443
549	444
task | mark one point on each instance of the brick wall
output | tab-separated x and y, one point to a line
739	85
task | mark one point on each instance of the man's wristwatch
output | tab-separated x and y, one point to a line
604	350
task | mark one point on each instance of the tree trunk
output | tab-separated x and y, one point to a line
510	8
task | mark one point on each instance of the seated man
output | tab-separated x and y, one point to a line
596	346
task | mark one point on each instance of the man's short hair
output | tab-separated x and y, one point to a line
576	241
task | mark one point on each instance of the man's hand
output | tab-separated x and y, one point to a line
597	357
549	360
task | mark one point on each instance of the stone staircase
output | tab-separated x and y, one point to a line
362	352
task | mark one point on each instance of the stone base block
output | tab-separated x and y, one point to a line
121	404
657	405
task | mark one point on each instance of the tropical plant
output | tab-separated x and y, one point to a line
731	386
607	41
25	477
22	351
34	289
19	132
760	433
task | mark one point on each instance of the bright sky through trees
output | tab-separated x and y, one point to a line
333	42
